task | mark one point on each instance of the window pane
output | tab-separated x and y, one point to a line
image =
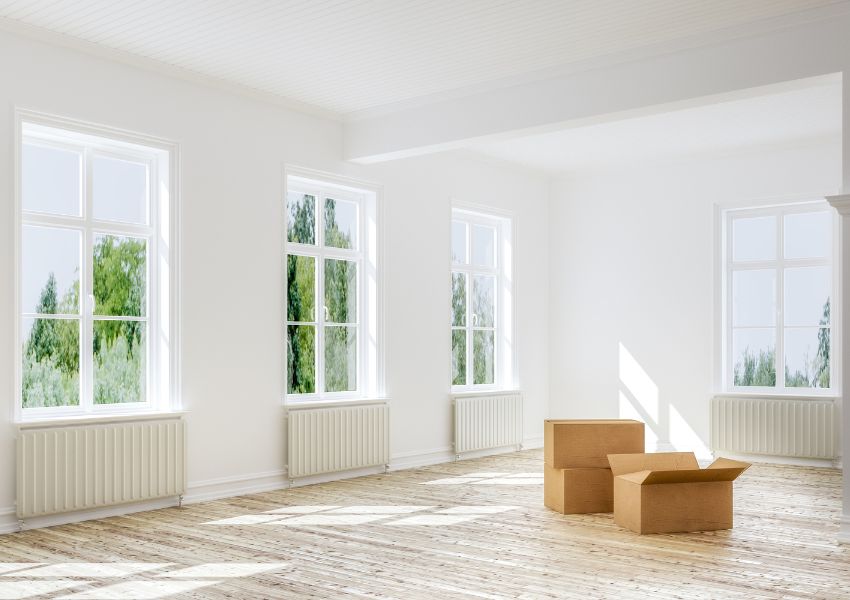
807	291
807	357
483	301
340	224
754	239
51	362
120	276
120	362
753	357
301	359
459	242
340	359
50	270
458	357
120	190
51	180
300	288
483	246
808	235
340	291
458	299
483	356
753	298
301	218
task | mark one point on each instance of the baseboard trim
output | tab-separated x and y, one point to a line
241	485
255	483
780	460
9	522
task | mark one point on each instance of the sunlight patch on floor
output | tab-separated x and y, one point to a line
18	590
486	478
390	514
136	581
139	590
89	570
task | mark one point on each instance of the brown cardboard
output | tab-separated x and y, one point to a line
670	493
578	491
583	444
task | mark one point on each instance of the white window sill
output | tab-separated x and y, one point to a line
89	419
775	396
332	403
489	392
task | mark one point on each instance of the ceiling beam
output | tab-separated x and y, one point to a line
801	50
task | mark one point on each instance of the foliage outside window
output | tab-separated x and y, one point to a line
88	231
325	297
779	288
476	282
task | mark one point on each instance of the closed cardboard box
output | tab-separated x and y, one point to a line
575	444
667	492
577	491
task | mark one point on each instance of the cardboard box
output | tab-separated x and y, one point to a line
587	444
578	491
667	492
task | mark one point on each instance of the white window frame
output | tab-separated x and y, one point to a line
728	215
366	255
504	361
161	235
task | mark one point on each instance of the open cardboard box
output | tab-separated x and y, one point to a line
667	492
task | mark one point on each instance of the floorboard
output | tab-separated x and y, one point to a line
469	529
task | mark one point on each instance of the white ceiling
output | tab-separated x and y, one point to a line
351	55
809	113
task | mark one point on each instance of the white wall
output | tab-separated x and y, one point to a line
232	151
632	264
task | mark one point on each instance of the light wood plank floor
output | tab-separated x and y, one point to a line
471	529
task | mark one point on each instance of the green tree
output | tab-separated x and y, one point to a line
756	370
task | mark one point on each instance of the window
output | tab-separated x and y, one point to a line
778	287
481	300
331	290
94	258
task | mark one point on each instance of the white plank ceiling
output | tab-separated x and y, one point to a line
350	55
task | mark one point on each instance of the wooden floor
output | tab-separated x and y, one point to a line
433	533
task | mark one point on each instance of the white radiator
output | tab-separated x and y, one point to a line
777	427
326	440
483	422
62	469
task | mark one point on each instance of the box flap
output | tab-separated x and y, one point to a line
622	464
728	463
638	477
692	475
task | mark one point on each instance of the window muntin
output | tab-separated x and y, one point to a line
779	293
478	283
330	287
88	227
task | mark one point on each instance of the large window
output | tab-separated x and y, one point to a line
93	254
331	293
779	299
481	299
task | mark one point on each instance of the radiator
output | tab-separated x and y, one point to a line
327	440
777	427
483	422
62	469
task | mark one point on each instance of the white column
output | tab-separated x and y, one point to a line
842	205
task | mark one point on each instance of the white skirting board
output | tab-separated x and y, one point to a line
254	483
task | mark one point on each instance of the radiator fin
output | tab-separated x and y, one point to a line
327	440
776	427
483	422
62	469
